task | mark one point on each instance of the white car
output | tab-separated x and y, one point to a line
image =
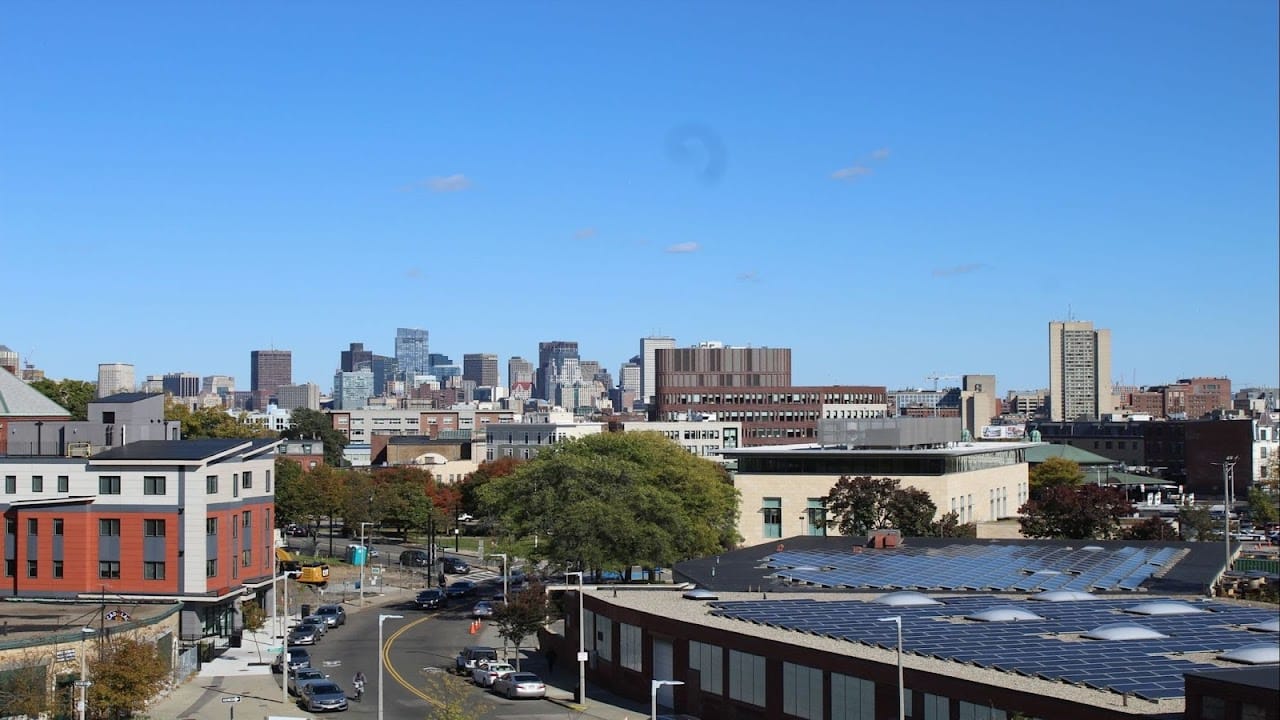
486	674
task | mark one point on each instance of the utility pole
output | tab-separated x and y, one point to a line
1228	478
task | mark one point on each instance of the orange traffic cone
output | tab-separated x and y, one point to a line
474	626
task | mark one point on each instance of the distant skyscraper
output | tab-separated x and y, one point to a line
181	385
1079	371
114	378
352	390
223	385
385	370
629	378
551	357
268	370
9	360
356	358
648	346
411	351
519	370
292	397
480	368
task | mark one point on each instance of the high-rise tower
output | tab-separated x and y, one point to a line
1079	371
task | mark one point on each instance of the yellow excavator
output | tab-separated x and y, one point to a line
309	573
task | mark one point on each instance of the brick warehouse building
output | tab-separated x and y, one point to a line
187	520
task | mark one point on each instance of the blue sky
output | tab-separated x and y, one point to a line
890	189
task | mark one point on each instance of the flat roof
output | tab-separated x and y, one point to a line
1266	677
182	451
816	450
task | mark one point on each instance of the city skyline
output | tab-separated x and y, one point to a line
890	193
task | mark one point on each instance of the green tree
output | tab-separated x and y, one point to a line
402	498
1152	528
452	697
24	686
212	422
127	673
253	617
521	616
858	505
1262	506
313	424
294	502
73	395
1055	472
1085	512
1195	522
911	510
615	500
949	526
469	500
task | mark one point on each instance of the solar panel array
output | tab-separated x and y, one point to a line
1049	649
1010	568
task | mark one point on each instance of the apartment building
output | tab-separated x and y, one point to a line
1079	371
703	438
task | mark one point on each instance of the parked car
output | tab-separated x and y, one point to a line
301	677
334	615
460	588
318	621
321	695
455	566
485	673
483	609
295	657
415	558
304	634
470	656
432	599
520	685
295	530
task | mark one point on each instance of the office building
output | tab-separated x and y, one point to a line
292	397
356	358
268	370
648	347
221	385
630	377
115	378
978	402
1079	371
9	360
182	385
481	369
552	355
153	385
385	371
352	390
412	351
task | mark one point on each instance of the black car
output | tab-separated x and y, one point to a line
455	566
415	558
460	588
431	599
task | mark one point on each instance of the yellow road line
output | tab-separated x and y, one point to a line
395	675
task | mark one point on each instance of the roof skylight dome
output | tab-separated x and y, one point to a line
1254	654
1164	607
1063	596
906	598
1123	631
1004	613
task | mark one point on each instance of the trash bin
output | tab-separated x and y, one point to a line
306	610
237	640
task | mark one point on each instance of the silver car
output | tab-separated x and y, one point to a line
520	685
302	676
321	695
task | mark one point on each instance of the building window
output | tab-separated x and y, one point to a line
153	528
10	567
64	483
629	648
970	711
109	569
11	526
33	568
57	569
37	483
246	558
235	528
268	488
33	526
746	678
211	567
109	527
108	484
235	484
152	571
802	692
10	484
246	518
708	660
771	514
153	485
211	484
853	698
57	526
246	479
936	707
816	517
211	526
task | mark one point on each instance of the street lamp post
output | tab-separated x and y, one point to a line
83	683
902	699
1228	475
582	645
381	654
654	685
364	549
504	574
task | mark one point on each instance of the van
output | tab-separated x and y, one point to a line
415	558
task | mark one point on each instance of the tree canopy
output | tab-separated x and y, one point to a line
1262	506
126	674
468	499
1085	512
521	615
1152	528
858	505
73	395
1055	472
616	500
305	424
211	422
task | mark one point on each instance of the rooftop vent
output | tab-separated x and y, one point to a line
1123	631
906	598
700	594
1063	596
1003	613
1164	607
1254	654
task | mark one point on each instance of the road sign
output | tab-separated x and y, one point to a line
84	683
231	699
583	657
276	649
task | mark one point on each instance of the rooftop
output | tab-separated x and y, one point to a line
1043	451
18	399
816	450
182	450
127	397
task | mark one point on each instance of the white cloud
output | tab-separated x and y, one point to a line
585	233
750	276
880	154
853	172
684	247
449	183
959	270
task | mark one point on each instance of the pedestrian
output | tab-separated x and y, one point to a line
441	578
551	661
